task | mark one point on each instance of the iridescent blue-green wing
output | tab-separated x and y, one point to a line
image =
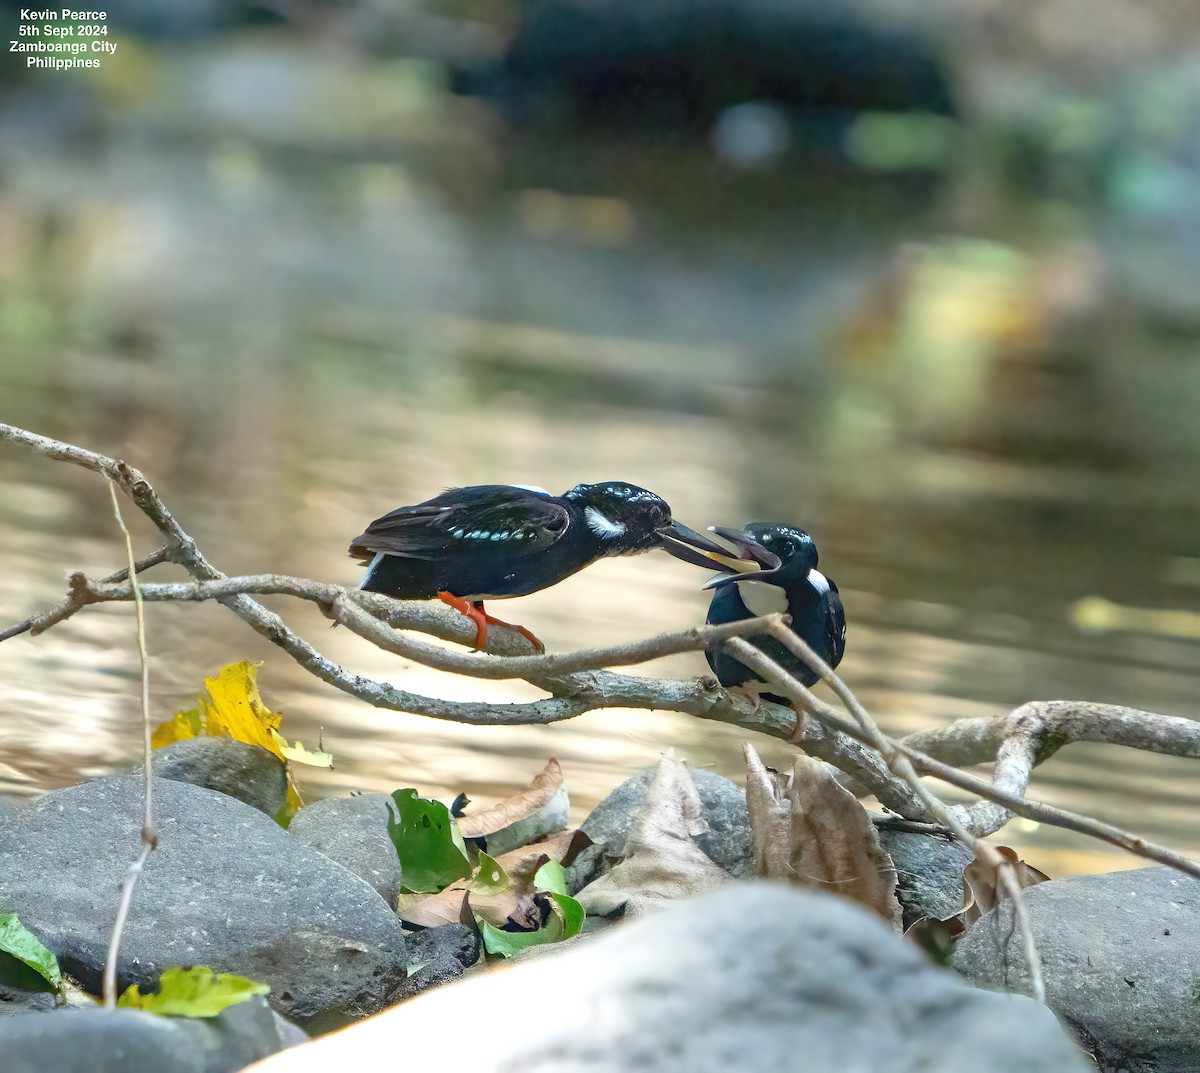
464	520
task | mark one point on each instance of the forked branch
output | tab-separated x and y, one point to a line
578	682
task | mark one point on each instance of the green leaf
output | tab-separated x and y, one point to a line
490	879
507	943
195	992
572	914
427	840
565	921
551	877
21	943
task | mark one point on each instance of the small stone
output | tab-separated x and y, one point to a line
929	873
354	832
247	772
440	955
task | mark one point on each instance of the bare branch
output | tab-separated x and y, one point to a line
1016	742
346	606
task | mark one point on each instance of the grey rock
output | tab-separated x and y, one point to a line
247	772
20	999
440	955
1120	960
290	1035
354	832
929	871
131	1041
9	807
755	977
22	988
226	887
726	842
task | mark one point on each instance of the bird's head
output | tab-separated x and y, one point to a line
783	554
626	519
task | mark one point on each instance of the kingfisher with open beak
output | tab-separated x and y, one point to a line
497	541
785	580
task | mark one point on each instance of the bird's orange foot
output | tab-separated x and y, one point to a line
753	689
476	613
538	647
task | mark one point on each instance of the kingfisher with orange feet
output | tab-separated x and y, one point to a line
497	541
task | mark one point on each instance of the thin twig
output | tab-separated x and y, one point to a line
159	555
344	606
149	839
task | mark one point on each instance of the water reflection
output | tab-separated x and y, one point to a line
288	359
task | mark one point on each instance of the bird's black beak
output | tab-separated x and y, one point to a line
692	547
746	548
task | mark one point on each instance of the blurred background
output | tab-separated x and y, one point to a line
922	277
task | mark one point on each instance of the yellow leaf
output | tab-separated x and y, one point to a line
291	805
235	709
183	725
297	752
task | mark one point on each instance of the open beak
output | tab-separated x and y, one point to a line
695	548
748	549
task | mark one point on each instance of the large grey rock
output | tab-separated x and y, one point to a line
726	842
130	1041
227	887
755	977
247	772
929	873
354	832
1121	963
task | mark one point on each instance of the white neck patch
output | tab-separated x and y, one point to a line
818	581
602	525
762	598
531	488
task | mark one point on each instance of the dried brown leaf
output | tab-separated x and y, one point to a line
811	831
770	816
432	910
982	889
562	848
982	892
662	862
520	806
